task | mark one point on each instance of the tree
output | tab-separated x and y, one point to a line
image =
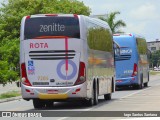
11	14
114	25
155	59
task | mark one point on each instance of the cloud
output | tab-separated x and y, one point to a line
103	6
145	12
139	28
141	16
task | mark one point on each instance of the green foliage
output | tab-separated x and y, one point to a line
114	25
10	94
11	14
154	73
155	59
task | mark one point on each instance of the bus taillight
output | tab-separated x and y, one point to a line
25	80
82	74
28	17
75	16
135	69
116	34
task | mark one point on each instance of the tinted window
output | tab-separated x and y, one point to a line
52	26
99	38
142	46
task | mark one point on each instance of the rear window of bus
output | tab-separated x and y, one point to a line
51	26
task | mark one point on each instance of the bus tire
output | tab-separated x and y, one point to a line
95	93
94	99
108	96
146	84
90	102
113	87
38	103
148	76
140	86
49	104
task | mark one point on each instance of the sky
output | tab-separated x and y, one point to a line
141	16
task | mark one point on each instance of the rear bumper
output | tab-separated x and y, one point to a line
126	81
54	93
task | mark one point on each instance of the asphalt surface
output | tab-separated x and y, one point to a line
146	99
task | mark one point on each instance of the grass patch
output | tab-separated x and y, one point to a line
9	94
154	72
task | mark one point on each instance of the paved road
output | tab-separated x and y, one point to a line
147	99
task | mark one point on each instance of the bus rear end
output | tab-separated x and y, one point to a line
126	62
50	59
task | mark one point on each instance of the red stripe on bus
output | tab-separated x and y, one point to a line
50	37
66	48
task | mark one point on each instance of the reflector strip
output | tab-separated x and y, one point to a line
28	90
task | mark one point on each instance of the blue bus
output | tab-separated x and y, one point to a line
131	61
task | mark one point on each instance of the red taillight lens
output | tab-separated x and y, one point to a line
118	81
76	16
135	69
116	34
28	17
24	75
82	74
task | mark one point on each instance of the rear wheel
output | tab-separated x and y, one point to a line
94	100
95	94
140	86
90	102
107	96
146	84
148	76
38	103
49	104
113	86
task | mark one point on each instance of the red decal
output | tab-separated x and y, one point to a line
31	45
66	48
45	45
38	45
66	61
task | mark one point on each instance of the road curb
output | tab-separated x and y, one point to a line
10	99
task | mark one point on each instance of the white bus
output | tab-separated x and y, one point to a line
65	57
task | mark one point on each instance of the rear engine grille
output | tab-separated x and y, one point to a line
52	55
